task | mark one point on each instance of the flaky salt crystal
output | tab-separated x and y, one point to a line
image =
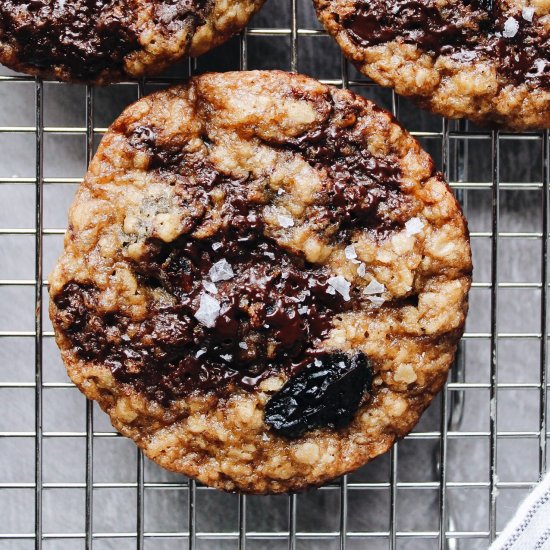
350	253
285	221
221	271
527	13
210	287
200	352
270	255
540	66
303	310
376	300
340	285
374	287
362	270
243	345
280	191
511	27
317	362
208	312
414	226
216	246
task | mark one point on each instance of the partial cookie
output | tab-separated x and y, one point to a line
264	280
99	42
486	60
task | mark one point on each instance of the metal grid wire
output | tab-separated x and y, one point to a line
456	144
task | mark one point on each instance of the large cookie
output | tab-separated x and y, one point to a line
100	41
486	60
264	280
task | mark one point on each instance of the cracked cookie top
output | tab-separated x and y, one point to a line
258	264
487	60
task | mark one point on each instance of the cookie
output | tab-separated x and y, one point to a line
99	42
485	60
264	280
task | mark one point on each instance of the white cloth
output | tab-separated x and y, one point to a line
529	529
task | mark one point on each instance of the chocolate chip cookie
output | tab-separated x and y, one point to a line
264	280
100	41
486	60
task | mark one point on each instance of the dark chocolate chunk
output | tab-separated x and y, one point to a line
327	393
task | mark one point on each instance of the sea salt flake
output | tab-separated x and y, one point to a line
208	312
414	226
362	270
265	437
374	287
199	353
540	66
243	345
227	357
285	221
340	285
317	362
527	13
303	310
270	255
216	246
280	191
210	287
376	300
350	253
221	271
511	27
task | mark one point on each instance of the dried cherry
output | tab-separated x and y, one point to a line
326	393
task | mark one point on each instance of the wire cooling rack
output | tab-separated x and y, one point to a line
67	480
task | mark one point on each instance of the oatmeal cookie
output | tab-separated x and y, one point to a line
264	280
97	41
486	60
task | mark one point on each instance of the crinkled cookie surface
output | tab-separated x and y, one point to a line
486	60
100	41
264	280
